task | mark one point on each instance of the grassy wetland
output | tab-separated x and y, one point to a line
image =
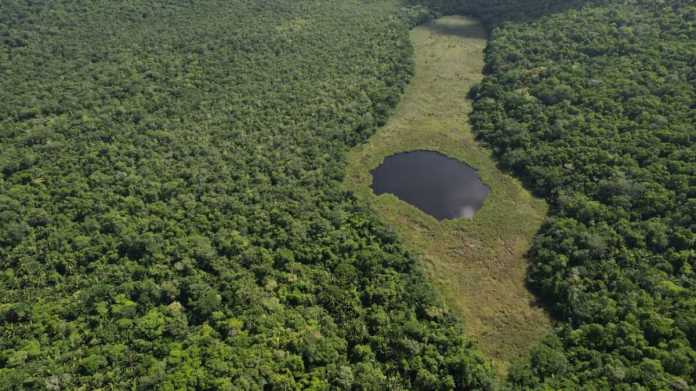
174	213
478	264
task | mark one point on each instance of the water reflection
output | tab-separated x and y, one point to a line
440	186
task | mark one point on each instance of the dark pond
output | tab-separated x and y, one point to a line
440	186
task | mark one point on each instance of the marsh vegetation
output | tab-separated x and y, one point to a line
478	264
174	211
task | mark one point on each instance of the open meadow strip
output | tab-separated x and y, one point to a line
479	264
170	206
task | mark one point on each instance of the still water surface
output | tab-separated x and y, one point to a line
440	186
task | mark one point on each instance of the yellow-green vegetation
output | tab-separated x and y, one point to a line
170	207
479	264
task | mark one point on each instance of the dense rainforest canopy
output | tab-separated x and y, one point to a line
595	108
171	214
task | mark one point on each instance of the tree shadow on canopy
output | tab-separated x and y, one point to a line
459	30
495	12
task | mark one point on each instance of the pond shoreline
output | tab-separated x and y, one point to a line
478	264
441	186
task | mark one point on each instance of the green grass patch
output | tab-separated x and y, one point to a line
479	265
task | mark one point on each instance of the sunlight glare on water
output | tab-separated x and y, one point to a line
440	186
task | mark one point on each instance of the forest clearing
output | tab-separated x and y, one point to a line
479	264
